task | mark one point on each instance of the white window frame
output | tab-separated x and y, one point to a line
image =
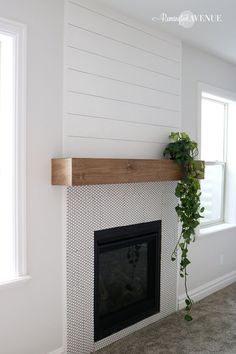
226	97
19	31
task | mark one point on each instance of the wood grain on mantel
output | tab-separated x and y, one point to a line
88	171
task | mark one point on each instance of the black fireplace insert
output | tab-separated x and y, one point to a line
127	276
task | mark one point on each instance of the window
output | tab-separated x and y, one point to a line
213	128
12	151
216	122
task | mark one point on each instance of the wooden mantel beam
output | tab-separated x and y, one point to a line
89	171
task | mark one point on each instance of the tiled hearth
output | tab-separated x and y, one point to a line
93	208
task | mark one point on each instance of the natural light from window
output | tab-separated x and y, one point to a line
213	125
214	113
7	160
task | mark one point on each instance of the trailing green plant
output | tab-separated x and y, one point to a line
183	150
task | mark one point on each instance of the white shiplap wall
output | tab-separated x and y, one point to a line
122	85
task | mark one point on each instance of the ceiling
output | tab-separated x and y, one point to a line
218	38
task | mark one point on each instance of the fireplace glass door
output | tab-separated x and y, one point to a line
127	276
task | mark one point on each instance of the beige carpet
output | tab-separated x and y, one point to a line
213	330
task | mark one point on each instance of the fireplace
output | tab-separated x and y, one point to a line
106	207
127	276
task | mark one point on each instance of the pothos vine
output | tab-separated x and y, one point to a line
183	150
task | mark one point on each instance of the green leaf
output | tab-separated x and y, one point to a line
188	317
185	136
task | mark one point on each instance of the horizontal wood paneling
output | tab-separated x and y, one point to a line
108	129
90	147
105	107
91	42
107	27
122	93
129	22
116	70
104	87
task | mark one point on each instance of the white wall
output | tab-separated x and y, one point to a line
206	254
31	314
122	85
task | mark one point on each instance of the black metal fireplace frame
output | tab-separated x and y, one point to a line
107	239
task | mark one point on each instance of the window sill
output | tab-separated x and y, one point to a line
14	282
215	228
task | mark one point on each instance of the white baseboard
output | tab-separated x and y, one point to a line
58	351
208	288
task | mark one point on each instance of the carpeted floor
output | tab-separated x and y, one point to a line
213	330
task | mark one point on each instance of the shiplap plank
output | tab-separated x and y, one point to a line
98	44
98	8
109	28
109	129
100	86
100	107
128	21
120	71
89	147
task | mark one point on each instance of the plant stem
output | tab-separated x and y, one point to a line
174	253
183	150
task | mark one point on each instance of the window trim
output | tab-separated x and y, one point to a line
19	32
226	97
